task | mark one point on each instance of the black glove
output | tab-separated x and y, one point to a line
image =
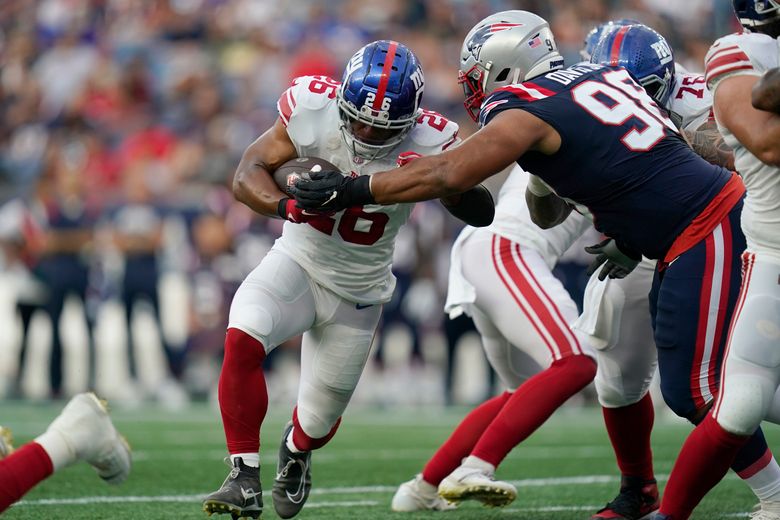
330	190
475	207
617	262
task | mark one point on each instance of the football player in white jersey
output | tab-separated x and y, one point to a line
616	312
751	372
328	275
502	277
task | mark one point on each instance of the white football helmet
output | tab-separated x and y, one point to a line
505	48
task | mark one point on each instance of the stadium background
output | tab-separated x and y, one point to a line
125	121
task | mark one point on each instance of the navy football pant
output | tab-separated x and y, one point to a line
692	301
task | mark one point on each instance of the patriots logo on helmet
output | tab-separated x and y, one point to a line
476	42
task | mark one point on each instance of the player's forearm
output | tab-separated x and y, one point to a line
708	142
254	187
422	179
766	93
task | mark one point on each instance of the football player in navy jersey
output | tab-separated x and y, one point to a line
596	141
610	312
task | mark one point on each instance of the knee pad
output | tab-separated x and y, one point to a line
314	425
614	388
744	405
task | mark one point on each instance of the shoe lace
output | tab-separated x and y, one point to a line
286	468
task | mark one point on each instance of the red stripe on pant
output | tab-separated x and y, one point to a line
497	254
562	323
747	270
551	324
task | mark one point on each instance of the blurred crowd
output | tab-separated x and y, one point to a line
123	120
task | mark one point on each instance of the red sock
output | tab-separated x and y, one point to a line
629	430
462	440
305	443
21	471
243	397
703	461
531	404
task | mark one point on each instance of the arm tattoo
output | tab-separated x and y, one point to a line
766	93
709	144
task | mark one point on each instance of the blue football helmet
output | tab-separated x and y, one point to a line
644	53
382	88
755	13
593	36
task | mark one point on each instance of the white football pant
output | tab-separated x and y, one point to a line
521	310
751	373
277	301
616	318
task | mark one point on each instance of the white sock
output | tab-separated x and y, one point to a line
290	443
475	462
766	483
57	448
250	459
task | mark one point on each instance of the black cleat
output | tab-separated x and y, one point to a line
637	500
293	479
240	494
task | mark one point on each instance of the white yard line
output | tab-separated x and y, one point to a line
582	480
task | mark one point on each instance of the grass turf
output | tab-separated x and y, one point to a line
564	471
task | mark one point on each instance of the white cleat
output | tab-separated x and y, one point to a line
768	510
418	495
466	483
6	442
87	429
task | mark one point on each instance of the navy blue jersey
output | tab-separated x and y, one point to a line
620	155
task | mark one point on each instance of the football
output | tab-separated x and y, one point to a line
285	175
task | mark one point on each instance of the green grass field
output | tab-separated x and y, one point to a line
565	471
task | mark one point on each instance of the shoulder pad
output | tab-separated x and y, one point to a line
740	53
306	93
435	131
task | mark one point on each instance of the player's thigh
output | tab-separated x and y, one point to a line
519	294
751	371
275	301
335	350
513	365
693	301
623	335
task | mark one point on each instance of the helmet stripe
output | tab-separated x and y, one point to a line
385	79
616	43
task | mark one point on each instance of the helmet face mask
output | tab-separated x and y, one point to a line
472	82
505	48
379	98
753	14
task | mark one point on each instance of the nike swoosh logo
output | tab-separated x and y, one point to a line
297	497
249	494
333	195
360	306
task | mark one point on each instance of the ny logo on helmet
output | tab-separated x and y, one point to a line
476	42
663	51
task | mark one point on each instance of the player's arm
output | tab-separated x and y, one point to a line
708	142
546	208
766	92
508	135
757	130
253	184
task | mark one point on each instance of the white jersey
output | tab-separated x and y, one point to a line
351	257
513	221
750	54
690	103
